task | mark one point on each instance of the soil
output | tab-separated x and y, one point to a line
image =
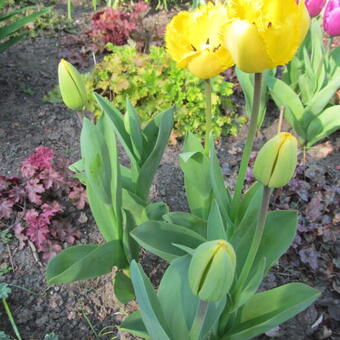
81	310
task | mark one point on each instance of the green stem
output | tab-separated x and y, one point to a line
11	319
207	112
326	53
197	325
69	10
248	146
255	241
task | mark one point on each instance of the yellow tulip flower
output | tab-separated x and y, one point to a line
194	41
262	34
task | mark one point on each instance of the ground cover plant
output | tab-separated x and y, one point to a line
223	239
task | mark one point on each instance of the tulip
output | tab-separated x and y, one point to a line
315	7
276	162
211	270
194	41
331	19
71	86
263	34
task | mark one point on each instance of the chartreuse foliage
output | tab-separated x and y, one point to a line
117	195
153	82
309	83
10	30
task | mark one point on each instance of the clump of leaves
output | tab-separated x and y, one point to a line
35	202
153	83
115	26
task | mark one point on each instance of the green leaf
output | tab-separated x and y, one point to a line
6	30
247	197
118	123
150	308
133	128
187	220
323	125
158	238
85	262
134	325
266	310
9	42
123	288
4	290
135	205
278	235
221	193
216	230
4	336
150	166
51	336
155	211
131	247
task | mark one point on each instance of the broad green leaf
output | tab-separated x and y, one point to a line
133	128
246	199
187	220
134	325
323	125
123	288
85	262
192	143
127	179
118	123
11	41
278	235
149	305
216	229
151	164
174	290
155	211
131	247
195	166
158	238
96	160
221	193
266	310
135	205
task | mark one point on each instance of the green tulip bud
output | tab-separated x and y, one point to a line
71	86
276	162
212	269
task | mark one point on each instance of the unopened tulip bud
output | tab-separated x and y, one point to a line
314	6
276	162
331	18
71	86
212	269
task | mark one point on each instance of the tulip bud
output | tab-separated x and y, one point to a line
314	6
276	162
71	86
211	270
331	18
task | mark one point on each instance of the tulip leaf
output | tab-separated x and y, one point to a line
135	205
150	165
118	123
174	290
156	211
246	199
96	160
11	41
221	193
134	325
195	166
150	308
216	230
323	125
131	247
266	310
279	233
187	220
85	262
158	238
123	288
133	128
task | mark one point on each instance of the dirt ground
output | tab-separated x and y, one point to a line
81	310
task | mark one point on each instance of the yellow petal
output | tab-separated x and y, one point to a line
246	47
206	65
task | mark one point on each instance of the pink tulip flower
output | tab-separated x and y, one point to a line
315	6
331	19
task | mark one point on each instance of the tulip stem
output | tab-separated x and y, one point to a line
255	241
248	146
207	112
197	324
